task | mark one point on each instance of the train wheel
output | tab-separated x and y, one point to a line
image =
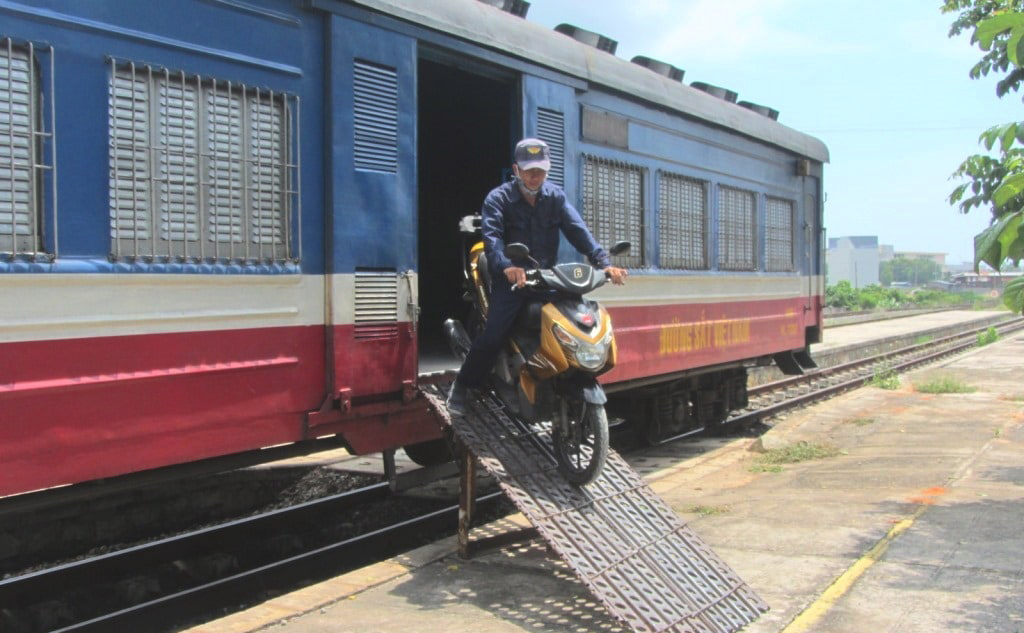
430	453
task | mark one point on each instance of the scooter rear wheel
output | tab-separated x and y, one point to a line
582	450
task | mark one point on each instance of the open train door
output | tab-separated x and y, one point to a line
371	227
467	129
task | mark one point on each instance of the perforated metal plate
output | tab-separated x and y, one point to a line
623	541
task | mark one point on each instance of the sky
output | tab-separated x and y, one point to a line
880	82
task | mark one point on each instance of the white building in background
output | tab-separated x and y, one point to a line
854	259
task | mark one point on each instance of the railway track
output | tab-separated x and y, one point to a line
191	577
165	584
776	397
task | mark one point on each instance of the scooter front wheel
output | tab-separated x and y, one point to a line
581	441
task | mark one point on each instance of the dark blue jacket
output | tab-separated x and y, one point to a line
507	218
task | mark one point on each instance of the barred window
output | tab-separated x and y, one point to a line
613	205
201	169
778	235
682	222
737	229
26	148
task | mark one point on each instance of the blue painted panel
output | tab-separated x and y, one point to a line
270	44
659	141
557	97
373	213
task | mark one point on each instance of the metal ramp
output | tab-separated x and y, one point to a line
623	541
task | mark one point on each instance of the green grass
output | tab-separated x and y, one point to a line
924	338
707	511
771	461
861	421
988	336
885	378
944	384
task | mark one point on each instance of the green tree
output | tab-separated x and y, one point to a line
841	295
997	181
885	273
912	270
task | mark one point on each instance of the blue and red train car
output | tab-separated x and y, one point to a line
232	224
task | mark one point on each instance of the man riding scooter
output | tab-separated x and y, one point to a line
531	211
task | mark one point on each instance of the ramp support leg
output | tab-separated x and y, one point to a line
467	497
390	471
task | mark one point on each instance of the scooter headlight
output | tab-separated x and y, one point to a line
592	357
563	337
588	356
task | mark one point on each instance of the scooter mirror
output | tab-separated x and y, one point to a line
517	250
620	248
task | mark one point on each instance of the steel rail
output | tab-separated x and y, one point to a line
318	563
193	602
946	346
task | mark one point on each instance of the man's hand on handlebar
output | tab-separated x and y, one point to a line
516	276
617	275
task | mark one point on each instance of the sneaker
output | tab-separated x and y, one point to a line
457	399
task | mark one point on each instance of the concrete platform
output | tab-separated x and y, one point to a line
914	525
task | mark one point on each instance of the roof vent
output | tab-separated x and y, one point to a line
717	91
771	113
596	40
662	68
515	7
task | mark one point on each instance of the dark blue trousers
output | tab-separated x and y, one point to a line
501	315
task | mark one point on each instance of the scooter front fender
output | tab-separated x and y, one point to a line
586	384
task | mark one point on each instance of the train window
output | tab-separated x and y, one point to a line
737	229
778	235
26	148
201	169
375	117
551	130
682	222
613	205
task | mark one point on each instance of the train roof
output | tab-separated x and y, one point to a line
488	26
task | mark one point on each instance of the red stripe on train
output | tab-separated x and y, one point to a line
656	340
80	409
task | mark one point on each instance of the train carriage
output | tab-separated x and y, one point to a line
232	224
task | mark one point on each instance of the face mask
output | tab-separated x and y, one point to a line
522	185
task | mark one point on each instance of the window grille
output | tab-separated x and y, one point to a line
375	115
737	229
26	149
613	205
201	169
682	222
778	235
551	130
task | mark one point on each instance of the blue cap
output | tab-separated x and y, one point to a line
533	153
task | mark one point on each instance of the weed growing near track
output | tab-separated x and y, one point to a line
988	336
885	378
944	384
771	461
861	421
707	511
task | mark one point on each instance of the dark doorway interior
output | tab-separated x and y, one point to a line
465	128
